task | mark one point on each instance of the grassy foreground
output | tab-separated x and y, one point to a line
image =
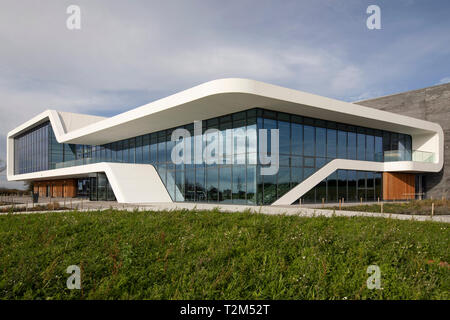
212	255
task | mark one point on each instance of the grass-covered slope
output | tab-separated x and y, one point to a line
212	255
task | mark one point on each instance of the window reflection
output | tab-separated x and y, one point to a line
321	142
361	144
331	143
308	143
239	184
342	144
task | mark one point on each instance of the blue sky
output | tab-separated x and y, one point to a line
129	53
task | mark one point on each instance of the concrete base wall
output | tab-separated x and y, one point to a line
430	104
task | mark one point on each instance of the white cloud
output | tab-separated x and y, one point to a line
350	77
444	80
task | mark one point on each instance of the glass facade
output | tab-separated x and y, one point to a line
308	144
305	145
31	150
83	187
100	189
233	180
347	185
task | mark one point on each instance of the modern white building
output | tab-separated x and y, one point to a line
328	149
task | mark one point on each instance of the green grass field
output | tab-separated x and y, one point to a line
212	255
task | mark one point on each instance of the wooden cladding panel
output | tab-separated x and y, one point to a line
57	188
398	186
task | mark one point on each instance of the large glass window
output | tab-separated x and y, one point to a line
132	150
284	128
342	185
386	141
251	184
212	183
120	152
408	148
270	188
169	145
394	142
126	151
332	187
370	146
225	184
239	184
161	158
167	174
139	150
102	181
309	141
351	143
252	140
146	149
269	124
321	142
379	147
361	144
378	185
321	191
331	143
69	152
370	187
306	145
154	148
200	183
310	196
296	176
180	184
189	183
283	181
352	186
297	139
361	177
239	138
342	144
100	188
225	139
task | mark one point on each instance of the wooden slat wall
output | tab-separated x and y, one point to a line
58	188
398	186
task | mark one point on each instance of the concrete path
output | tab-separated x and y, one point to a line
287	210
292	210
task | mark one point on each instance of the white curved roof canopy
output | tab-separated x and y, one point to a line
225	96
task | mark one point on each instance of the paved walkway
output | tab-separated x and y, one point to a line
292	210
85	205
